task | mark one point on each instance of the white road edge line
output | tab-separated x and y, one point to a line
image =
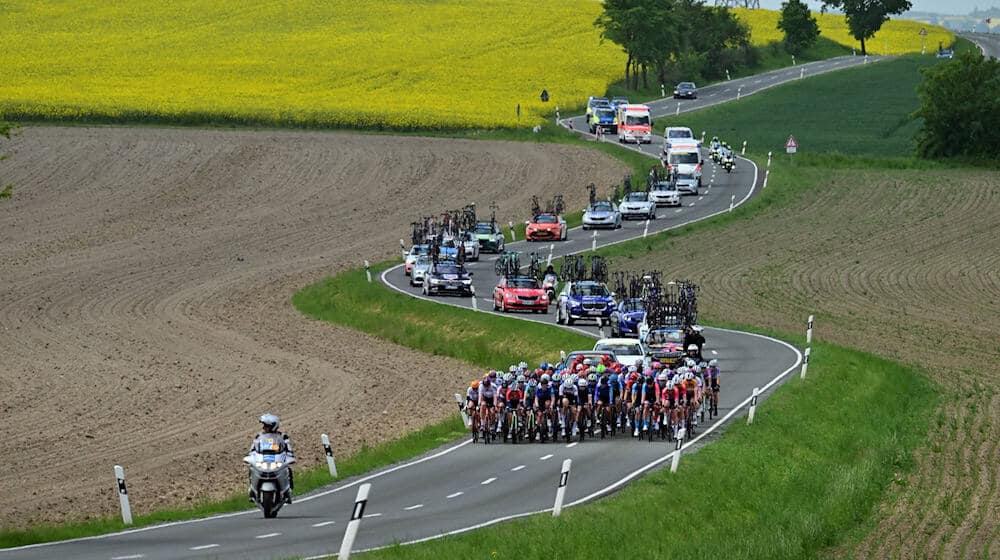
129	557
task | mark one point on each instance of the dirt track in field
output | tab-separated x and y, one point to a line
904	264
144	304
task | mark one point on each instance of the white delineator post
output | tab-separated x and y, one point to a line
663	91
767	173
593	242
739	92
330	463
600	327
475	303
675	461
769	160
678	111
123	495
561	490
727	75
702	136
461	410
352	526
732	202
805	363
368	271
743	152
548	260
645	230
513	237
809	330
753	405
802	73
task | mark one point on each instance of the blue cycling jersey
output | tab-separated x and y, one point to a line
605	393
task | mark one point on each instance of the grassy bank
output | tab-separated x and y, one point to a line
800	480
366	460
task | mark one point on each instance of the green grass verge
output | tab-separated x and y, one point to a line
307	480
803	478
442	330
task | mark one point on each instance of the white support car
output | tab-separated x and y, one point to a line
665	193
627	350
419	271
638	205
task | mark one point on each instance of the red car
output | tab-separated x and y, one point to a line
520	293
546	227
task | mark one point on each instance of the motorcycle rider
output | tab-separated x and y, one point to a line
269	427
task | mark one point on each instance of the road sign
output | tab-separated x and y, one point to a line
791	145
923	31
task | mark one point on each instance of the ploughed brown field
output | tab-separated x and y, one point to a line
905	264
145	306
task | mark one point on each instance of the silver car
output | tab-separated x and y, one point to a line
471	244
665	193
686	183
420	269
638	205
602	214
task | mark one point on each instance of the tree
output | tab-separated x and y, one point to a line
865	17
799	26
960	108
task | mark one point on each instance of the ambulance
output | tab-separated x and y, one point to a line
635	124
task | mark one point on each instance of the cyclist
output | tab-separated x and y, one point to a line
644	396
569	396
689	387
543	400
488	393
472	398
583	403
512	400
604	399
713	383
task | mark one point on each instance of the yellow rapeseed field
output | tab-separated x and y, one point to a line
393	63
896	36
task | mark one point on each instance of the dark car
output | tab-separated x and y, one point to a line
448	278
685	90
627	317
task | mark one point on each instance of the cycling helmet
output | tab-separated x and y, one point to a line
522	365
682	371
270	422
532	382
520	378
657	365
592	377
538	371
543	365
493	373
689	363
689	376
588	362
661	377
556	377
713	363
697	370
601	368
475	383
567	383
581	382
511	369
703	364
574	378
692	347
591	370
604	379
632	369
545	378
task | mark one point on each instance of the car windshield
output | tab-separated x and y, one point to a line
594	354
621	349
443	268
522	283
685	85
606	113
678	133
484	229
664	186
685	177
420	250
637	119
589	290
599	102
600	207
422	261
633	304
637	197
684	158
621	100
665	336
545	219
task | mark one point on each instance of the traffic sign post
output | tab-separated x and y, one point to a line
791	146
923	40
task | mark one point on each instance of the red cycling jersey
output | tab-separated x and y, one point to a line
515	395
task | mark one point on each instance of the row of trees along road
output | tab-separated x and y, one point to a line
687	40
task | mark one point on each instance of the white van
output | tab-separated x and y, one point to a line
685	158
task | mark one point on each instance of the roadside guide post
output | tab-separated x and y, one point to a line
739	92
793	60
768	159
352	526
123	495
368	271
675	461
593	242
702	136
600	328
767	174
732	202
663	91
802	73
548	260
513	236
727	75
753	405
461	409
805	363
743	152
809	330
557	115
329	453
645	230
475	303
561	490
923	40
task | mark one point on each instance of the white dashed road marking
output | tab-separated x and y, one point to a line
455	495
701	197
413	507
572	444
323	523
129	557
373	515
676	211
204	547
545	458
267	536
487	481
714	353
517	468
689	205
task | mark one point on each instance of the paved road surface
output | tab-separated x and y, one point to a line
989	43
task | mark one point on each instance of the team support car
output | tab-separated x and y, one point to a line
665	193
469	241
678	135
420	269
546	227
595	102
616	101
602	214
627	351
686	183
584	300
627	317
685	158
664	345
520	292
638	205
411	256
490	237
604	120
686	90
447	277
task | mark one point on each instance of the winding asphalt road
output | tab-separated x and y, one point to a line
989	43
463	486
